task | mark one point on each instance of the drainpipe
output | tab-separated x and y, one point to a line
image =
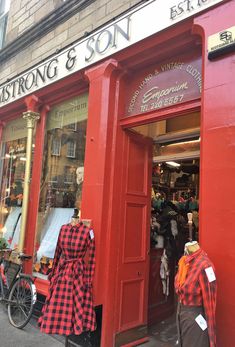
31	118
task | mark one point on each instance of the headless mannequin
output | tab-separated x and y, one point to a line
79	180
191	247
75	217
195	286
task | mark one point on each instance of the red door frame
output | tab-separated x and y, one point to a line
147	118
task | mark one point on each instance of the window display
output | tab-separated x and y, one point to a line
62	176
12	170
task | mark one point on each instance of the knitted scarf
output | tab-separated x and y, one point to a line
184	266
182	271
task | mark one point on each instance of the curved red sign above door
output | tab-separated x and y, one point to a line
172	82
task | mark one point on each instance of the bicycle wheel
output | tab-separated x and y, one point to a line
21	302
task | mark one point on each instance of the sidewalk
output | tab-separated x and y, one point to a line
30	336
163	334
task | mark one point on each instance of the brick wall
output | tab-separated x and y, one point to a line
24	13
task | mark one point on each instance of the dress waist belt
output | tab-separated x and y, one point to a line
72	260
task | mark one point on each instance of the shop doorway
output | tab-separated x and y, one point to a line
174	213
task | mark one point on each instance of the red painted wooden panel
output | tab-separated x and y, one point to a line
131	292
134	244
217	222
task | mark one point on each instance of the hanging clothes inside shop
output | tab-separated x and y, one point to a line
68	309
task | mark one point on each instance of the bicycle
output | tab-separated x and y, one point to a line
17	289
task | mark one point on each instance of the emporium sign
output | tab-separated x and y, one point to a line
143	21
170	83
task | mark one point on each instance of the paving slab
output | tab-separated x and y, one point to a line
30	336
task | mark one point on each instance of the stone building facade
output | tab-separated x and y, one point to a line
37	29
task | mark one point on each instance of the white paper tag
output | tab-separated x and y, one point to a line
201	322
92	234
34	293
210	274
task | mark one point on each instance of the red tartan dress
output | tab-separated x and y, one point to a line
68	307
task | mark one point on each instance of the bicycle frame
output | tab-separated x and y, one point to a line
5	287
18	290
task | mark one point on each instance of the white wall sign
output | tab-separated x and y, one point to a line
221	43
143	21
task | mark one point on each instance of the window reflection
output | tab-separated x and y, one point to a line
12	171
62	176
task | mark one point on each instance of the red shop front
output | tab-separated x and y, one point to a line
122	120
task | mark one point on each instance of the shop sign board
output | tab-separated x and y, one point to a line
137	24
68	112
170	83
221	43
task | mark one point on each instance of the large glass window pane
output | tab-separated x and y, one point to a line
12	170
62	176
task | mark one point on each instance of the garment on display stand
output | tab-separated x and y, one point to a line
68	307
196	287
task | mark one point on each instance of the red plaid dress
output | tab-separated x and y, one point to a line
68	307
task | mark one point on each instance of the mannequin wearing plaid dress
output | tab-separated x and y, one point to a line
68	307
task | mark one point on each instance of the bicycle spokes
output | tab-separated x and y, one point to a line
20	304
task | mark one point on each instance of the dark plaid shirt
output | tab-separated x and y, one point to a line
199	291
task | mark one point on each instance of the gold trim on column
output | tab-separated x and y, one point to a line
31	118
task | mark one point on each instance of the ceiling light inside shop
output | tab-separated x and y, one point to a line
23	158
172	163
182	143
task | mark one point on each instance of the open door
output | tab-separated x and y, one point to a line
133	269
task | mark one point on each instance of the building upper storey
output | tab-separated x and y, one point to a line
33	30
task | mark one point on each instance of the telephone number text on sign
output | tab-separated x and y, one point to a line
164	102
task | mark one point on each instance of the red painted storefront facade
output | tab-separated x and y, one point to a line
116	190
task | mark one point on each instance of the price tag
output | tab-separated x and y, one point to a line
92	234
201	322
210	274
34	293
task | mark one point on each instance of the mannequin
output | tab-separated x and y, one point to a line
195	285
80	174
79	180
68	308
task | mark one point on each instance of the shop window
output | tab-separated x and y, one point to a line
61	184
4	9
12	170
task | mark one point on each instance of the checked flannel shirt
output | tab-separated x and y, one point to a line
197	290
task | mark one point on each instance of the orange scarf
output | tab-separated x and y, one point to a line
182	271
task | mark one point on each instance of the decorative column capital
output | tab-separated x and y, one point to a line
31	117
104	69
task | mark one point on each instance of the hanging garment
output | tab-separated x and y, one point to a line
174	228
68	307
196	286
165	273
